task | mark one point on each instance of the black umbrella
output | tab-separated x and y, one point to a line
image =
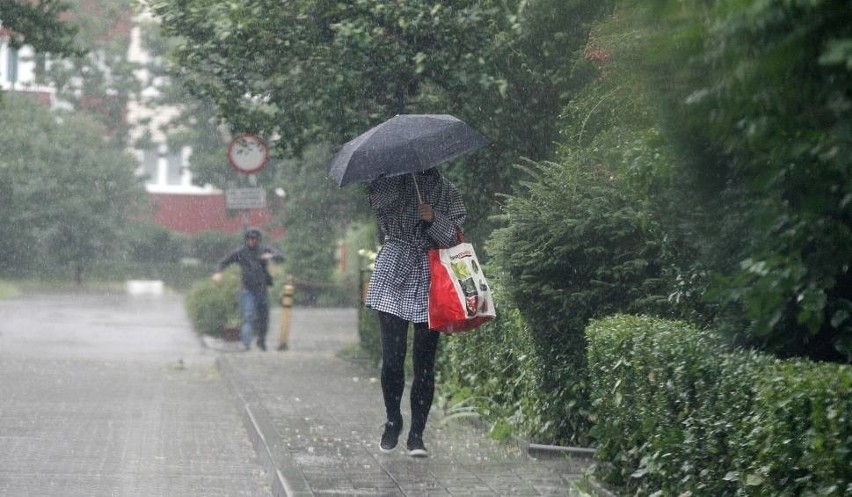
406	143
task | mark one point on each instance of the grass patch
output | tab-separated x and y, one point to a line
354	353
11	288
8	290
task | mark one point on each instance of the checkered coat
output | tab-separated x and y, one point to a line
400	283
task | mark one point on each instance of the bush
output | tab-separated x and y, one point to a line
799	439
369	331
577	247
153	243
211	246
213	306
369	334
675	412
581	239
755	98
495	370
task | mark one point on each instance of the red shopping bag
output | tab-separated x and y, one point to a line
459	295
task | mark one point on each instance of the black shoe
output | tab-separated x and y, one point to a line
283	346
261	343
391	435
415	446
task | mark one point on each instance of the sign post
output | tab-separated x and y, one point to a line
247	154
245	198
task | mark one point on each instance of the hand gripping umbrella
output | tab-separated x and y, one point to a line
407	143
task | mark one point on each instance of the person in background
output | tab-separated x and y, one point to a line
416	212
253	259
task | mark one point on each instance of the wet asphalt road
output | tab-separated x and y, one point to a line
114	395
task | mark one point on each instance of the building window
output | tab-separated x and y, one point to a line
40	69
150	160
174	168
12	66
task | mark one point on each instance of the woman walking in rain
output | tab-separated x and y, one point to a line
416	212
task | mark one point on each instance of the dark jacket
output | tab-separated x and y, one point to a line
255	275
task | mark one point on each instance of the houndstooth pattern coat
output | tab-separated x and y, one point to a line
400	283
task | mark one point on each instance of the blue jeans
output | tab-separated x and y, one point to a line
255	310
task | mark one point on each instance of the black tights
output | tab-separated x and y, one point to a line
394	342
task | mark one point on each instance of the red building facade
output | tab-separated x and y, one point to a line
194	213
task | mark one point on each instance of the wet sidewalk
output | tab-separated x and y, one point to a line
315	419
111	395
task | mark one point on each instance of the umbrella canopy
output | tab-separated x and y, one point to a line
406	143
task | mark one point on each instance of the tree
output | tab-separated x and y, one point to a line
67	192
39	24
337	68
580	240
99	80
314	216
758	101
321	71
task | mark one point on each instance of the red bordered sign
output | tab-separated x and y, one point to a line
248	153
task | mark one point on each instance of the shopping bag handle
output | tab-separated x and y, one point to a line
459	235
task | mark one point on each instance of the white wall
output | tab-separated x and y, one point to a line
147	118
24	80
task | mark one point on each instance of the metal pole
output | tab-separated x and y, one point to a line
417	187
287	303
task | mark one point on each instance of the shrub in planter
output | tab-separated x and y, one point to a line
214	306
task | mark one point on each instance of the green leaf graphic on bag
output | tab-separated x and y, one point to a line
461	270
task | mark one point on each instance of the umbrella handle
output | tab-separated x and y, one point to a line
417	188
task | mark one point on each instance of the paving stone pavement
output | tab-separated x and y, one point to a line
104	395
108	395
316	418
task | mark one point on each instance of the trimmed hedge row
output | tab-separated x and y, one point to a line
676	413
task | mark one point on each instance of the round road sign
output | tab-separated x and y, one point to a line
248	153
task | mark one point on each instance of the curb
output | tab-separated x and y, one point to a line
287	479
599	489
542	451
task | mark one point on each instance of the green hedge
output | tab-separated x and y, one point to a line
675	412
495	370
370	334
